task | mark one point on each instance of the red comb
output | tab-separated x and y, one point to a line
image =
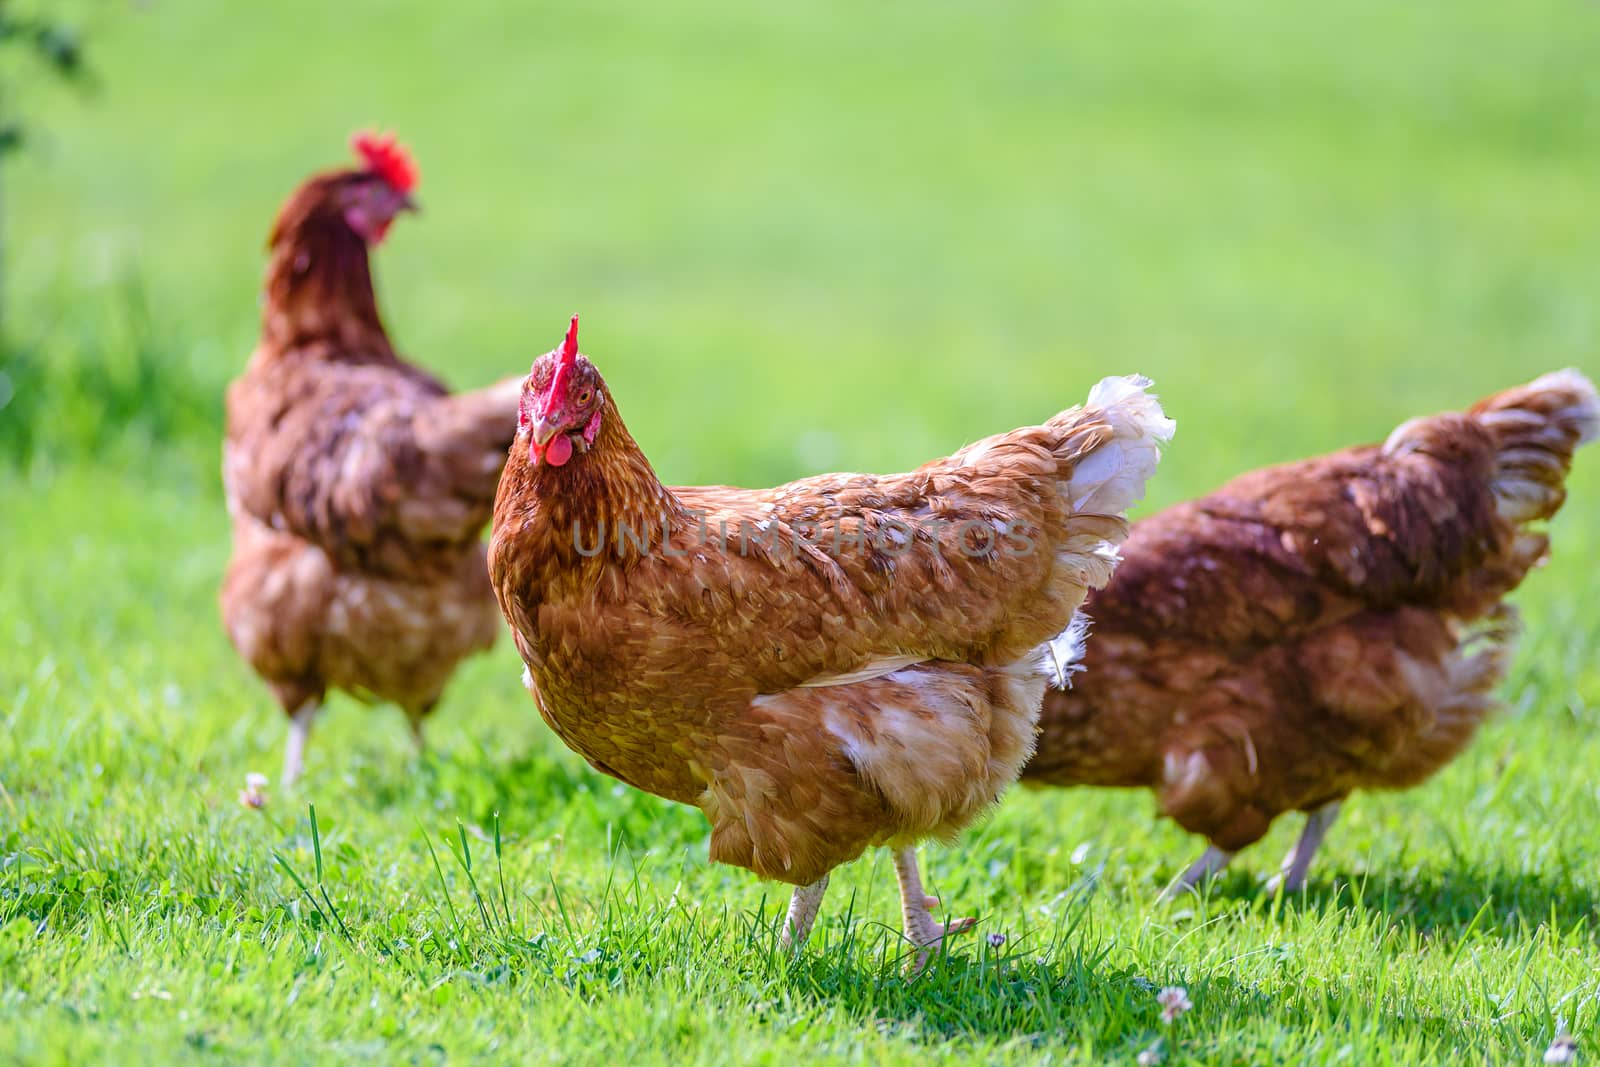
566	360
569	347
387	158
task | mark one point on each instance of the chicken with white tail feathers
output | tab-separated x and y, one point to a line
843	662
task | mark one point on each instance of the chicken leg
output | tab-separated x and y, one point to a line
414	724
803	905
1211	861
1297	863
294	753
921	929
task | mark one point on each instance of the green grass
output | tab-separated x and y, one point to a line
802	238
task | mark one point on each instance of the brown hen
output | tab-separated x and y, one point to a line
1316	628
357	485
841	662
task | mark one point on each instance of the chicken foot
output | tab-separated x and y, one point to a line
294	753
921	928
1211	861
803	905
1292	877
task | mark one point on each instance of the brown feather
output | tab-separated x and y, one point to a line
1320	627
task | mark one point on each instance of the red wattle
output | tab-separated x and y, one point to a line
559	450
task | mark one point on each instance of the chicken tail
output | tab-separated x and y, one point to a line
1105	482
1111	479
1532	432
1537	427
488	414
477	427
462	441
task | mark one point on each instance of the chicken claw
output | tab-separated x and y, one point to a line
921	928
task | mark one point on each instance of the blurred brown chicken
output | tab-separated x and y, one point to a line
1316	628
358	486
845	661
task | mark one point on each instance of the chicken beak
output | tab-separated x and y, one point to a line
408	203
543	429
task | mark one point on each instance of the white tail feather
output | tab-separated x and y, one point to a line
1064	652
1537	428
1111	479
1584	412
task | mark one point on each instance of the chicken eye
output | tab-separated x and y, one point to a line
584	398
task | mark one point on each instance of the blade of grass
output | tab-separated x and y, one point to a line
299	882
444	885
505	901
316	840
472	882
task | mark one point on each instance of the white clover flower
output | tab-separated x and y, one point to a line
254	793
1174	1001
1564	1049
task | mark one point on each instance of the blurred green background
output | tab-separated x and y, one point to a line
802	237
860	236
